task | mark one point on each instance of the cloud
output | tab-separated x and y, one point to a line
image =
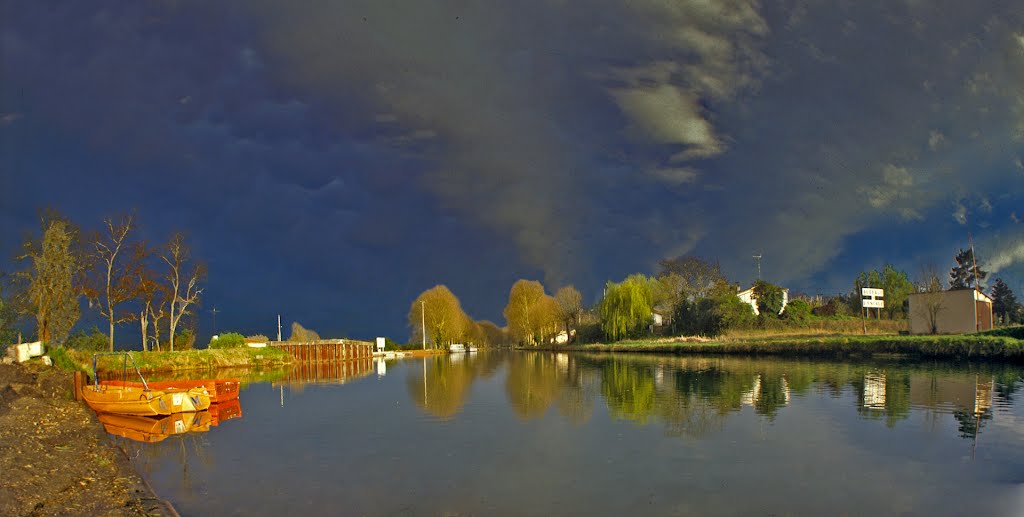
1006	255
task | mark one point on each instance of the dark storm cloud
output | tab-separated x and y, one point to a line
346	155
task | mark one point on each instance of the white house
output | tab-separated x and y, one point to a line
748	298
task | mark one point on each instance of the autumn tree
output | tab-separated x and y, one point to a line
441	312
522	298
183	280
570	307
626	307
112	272
493	334
544	319
51	292
966	273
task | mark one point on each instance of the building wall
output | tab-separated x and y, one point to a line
959	312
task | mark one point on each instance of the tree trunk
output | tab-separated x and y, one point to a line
111	334
144	323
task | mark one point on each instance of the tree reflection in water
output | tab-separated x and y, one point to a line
693	396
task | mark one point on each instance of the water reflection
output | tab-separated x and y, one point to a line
692	396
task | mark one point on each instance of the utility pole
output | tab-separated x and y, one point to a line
758	258
214	312
279	327
423	329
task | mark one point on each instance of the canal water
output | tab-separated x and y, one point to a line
522	433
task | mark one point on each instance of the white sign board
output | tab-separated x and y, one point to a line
873	304
380	344
871	298
868	292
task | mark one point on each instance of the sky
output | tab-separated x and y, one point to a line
331	160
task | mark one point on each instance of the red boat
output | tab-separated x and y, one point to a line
220	390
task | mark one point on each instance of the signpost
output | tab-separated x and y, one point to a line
870	298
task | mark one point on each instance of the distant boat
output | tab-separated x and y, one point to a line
472	349
141	400
457	348
220	390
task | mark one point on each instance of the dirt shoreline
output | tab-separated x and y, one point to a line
55	458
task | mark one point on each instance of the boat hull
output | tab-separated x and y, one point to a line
129	400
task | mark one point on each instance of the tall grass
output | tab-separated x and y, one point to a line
174	361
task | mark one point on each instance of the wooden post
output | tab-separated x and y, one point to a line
79	381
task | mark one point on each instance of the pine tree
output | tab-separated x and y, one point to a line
1004	302
962	275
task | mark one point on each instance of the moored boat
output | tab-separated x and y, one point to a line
219	390
140	400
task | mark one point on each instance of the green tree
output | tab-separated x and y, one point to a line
1004	302
895	283
443	315
9	313
966	273
769	298
522	298
52	292
626	307
798	311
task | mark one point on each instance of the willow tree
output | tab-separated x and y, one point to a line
626	307
441	312
544	318
519	311
52	292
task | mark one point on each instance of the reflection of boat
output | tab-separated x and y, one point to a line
220	390
150	430
225	411
131	400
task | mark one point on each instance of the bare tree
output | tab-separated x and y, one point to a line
183	279
153	298
930	286
690	277
112	277
570	307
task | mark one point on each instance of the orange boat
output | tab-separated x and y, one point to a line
219	390
127	399
151	430
225	411
139	401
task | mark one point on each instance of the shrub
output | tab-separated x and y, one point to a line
258	338
798	311
302	334
185	340
228	340
91	341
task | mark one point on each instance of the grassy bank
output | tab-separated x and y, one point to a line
951	347
149	362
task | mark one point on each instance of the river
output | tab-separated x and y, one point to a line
520	433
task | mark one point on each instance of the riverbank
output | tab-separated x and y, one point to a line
56	458
151	362
987	347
